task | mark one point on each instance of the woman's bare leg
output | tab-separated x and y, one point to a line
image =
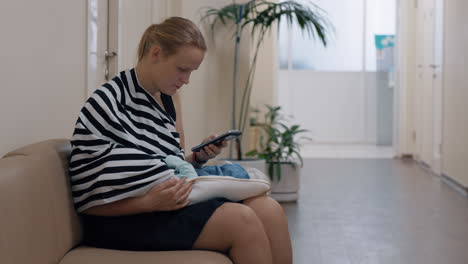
235	229
275	223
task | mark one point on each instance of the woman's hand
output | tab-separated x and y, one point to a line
168	196
210	151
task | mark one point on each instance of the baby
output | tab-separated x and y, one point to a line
185	169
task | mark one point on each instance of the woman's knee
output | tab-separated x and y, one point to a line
265	206
231	223
239	216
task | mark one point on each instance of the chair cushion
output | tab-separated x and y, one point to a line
103	256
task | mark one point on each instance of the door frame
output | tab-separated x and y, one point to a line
102	42
438	82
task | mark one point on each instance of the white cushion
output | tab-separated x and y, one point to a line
234	189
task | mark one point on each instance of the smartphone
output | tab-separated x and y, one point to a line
231	134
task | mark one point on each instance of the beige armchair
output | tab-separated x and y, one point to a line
38	223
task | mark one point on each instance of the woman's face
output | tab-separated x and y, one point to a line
171	72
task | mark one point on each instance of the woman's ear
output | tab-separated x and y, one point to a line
155	53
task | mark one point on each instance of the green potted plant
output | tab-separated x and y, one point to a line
259	17
280	147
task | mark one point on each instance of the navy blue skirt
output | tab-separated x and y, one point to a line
155	231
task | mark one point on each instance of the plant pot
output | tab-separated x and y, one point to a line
286	189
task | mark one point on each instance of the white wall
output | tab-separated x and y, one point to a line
265	86
455	117
42	70
352	117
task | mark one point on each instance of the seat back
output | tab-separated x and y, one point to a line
38	223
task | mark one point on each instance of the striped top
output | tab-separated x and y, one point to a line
121	136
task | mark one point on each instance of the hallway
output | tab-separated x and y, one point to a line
363	211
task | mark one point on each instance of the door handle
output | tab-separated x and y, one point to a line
108	55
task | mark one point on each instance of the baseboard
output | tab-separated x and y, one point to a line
406	156
455	185
425	165
427	168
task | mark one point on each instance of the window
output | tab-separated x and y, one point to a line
345	51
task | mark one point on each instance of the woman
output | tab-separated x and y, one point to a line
127	196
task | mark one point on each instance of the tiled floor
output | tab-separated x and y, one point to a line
362	211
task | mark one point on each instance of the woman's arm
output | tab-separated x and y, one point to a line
167	196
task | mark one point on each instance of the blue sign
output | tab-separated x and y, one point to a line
384	41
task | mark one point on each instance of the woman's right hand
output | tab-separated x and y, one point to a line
168	196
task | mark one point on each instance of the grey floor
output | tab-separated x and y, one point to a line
367	211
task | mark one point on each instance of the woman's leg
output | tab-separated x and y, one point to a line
235	229
275	224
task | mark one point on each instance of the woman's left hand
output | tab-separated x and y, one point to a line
210	151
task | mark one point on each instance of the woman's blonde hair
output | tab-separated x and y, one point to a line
170	35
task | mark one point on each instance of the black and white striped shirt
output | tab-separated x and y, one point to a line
121	136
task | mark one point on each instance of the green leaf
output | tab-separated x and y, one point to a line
252	153
271	170
278	171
